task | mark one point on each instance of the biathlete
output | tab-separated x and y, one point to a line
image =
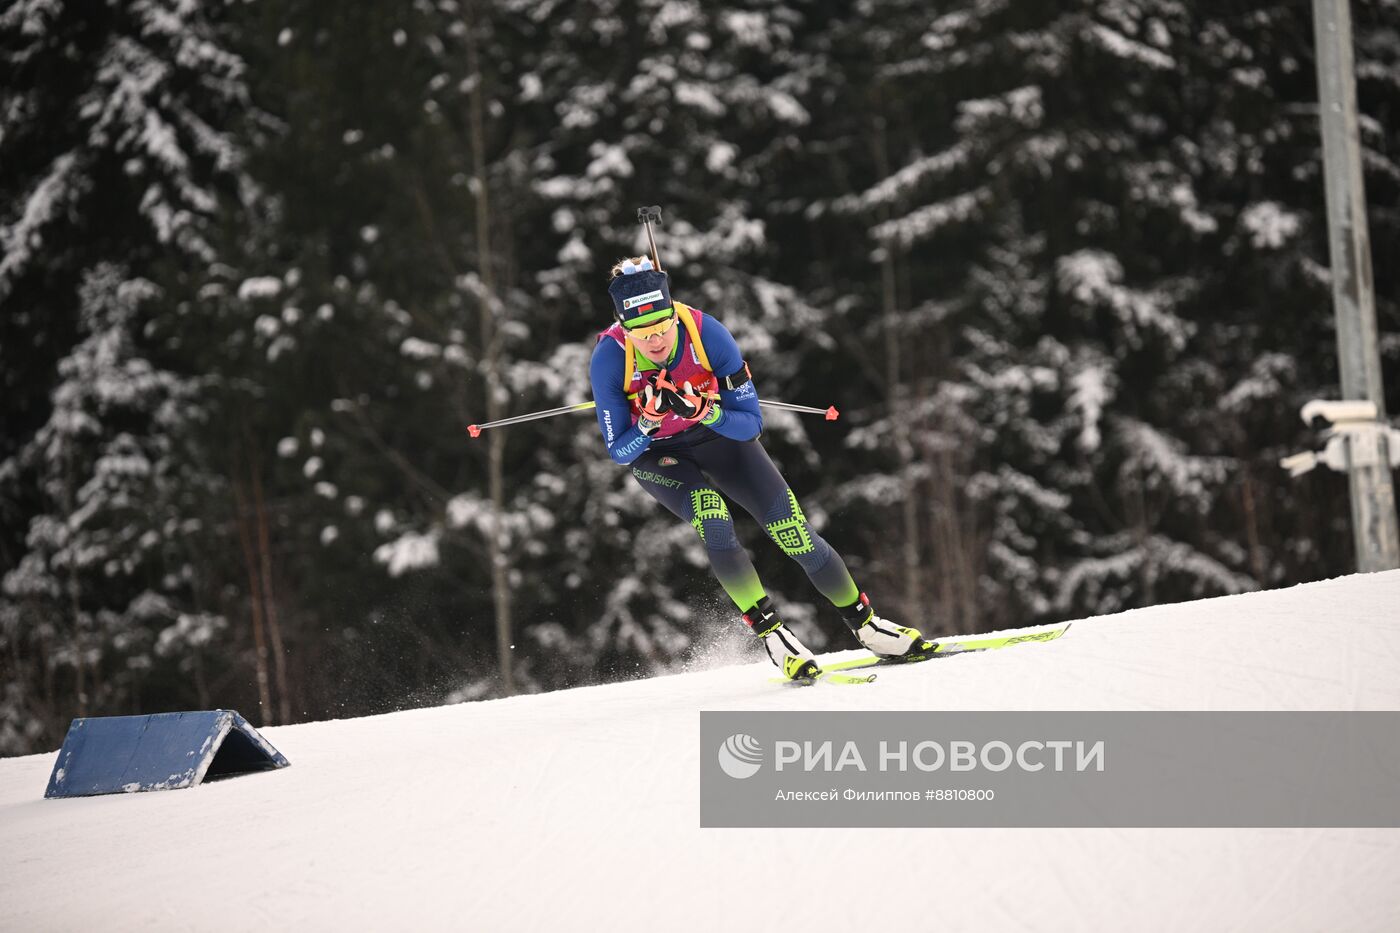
677	403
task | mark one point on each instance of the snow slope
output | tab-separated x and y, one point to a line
579	809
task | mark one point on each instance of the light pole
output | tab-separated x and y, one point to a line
1353	297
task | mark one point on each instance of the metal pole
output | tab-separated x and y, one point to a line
1372	493
475	429
831	414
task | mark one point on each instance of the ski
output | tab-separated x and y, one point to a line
929	650
830	677
832	673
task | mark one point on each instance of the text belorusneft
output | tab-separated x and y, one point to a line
954	755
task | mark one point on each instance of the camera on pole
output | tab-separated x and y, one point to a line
1354	438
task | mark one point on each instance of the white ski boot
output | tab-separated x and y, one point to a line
784	648
881	636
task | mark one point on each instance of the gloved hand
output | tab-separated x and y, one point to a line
682	401
652	413
690	404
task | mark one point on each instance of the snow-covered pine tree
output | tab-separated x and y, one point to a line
1112	213
111	131
1044	227
113	137
105	591
109	135
1274	345
374	309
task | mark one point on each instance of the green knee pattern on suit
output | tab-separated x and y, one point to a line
707	505
791	533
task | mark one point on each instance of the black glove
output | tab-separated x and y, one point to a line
679	400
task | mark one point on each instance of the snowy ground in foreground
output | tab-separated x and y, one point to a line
580	810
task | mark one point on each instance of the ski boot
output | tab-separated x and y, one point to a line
784	649
881	636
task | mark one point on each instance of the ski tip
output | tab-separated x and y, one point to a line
836	678
473	430
823	677
832	414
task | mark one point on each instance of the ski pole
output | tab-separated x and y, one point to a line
831	413
475	430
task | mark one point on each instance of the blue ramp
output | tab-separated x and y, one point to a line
164	751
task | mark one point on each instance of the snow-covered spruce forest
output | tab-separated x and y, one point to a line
1062	267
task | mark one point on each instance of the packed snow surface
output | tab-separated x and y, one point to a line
579	810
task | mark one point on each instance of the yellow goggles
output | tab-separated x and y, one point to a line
653	330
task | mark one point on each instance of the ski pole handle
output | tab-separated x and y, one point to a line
646	216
